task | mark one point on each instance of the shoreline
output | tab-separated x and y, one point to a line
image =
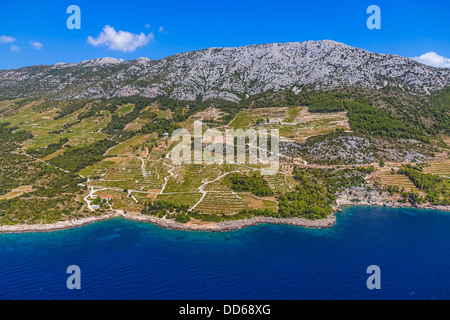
170	224
233	225
56	226
225	226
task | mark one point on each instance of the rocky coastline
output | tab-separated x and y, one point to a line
343	201
232	225
360	197
171	224
59	225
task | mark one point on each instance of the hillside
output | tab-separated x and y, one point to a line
226	73
82	140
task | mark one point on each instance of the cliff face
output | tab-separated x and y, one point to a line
228	73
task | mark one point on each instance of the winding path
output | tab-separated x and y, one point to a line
86	199
144	172
166	179
42	161
201	189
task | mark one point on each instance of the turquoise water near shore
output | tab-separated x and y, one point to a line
122	259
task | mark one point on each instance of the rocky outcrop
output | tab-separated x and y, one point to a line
171	224
227	73
233	225
345	199
363	197
60	225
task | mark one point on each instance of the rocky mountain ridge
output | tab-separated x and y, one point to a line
226	73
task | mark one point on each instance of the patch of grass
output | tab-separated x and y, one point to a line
292	114
242	121
125	109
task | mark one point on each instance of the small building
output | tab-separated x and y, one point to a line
107	198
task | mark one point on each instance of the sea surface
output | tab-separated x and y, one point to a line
122	259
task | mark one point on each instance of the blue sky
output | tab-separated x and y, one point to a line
408	28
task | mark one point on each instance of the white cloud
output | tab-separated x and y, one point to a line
36	45
434	60
15	48
6	39
120	41
161	29
147	26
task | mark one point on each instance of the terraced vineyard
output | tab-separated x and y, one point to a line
46	129
222	202
127	147
278	183
134	165
403	182
440	168
294	123
126	173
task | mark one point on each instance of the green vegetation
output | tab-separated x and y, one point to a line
167	209
315	194
292	114
440	108
160	126
335	180
426	182
70	107
123	110
365	118
220	217
37	210
78	134
253	183
13	167
164	207
54	192
436	187
103	203
11	137
80	157
51	148
310	200
242	121
117	124
325	102
182	218
386	113
95	109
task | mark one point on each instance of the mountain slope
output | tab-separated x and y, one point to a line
227	73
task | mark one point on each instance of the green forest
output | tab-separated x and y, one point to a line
80	157
253	183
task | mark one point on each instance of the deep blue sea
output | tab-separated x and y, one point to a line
122	259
